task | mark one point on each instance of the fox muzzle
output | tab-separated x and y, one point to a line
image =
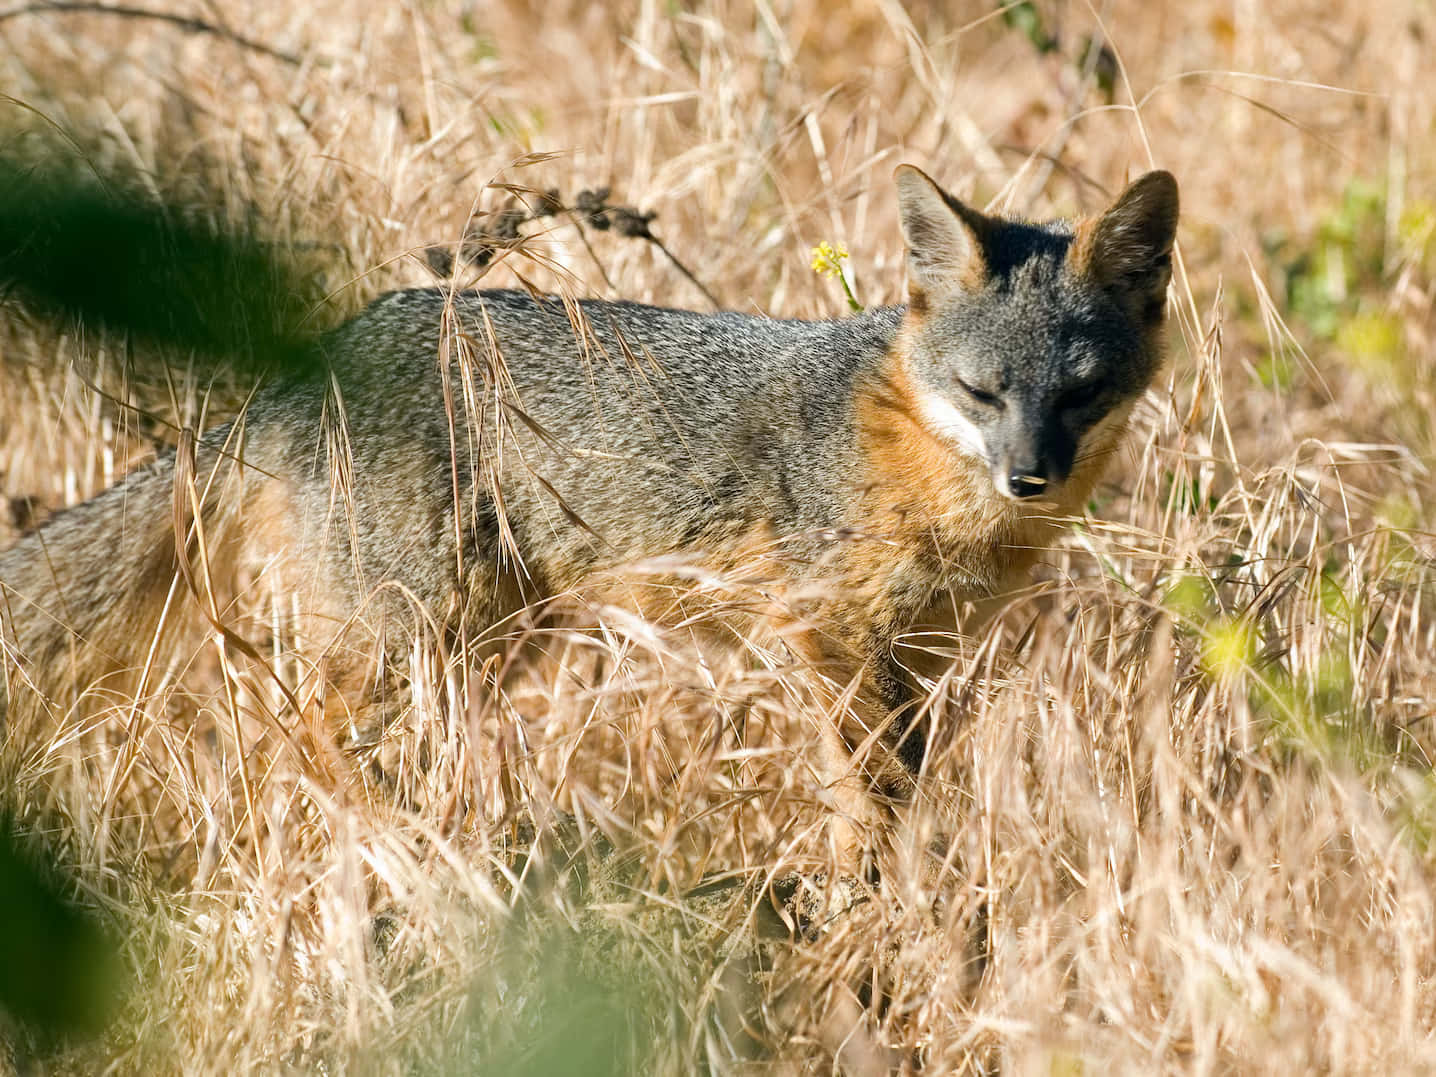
1021	485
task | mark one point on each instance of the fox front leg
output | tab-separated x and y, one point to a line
893	703
873	750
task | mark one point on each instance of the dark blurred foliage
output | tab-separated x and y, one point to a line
98	250
61	973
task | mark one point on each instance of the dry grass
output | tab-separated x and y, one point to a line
1187	780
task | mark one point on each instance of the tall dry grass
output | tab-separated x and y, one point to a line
1185	783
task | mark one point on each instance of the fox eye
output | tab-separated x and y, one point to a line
1081	396
982	396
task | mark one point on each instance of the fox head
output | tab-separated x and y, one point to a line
1029	343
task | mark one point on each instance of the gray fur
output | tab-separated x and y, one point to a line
648	432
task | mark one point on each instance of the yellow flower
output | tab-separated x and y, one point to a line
828	259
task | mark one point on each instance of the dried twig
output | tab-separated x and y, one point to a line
503	230
187	23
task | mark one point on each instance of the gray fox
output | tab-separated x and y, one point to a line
475	453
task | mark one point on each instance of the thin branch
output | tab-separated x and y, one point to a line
685	271
503	230
187	23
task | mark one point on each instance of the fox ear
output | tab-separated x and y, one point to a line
944	237
1129	248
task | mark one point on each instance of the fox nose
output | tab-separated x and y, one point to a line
1022	485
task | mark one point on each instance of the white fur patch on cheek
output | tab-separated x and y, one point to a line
939	415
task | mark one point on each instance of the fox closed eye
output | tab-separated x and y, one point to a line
1081	396
982	396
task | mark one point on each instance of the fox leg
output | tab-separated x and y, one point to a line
870	752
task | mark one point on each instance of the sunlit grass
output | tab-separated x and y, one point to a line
1183	789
